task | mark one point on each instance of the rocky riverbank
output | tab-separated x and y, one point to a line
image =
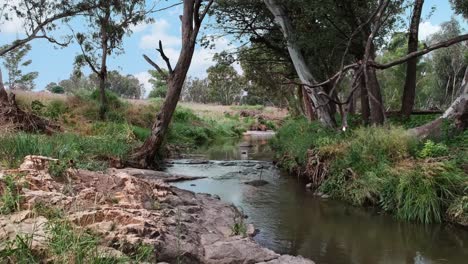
128	208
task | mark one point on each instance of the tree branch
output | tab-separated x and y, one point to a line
156	66
165	58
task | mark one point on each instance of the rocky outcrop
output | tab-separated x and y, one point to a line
129	207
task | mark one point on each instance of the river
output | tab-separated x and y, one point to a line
291	220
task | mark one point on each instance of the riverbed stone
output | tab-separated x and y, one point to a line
128	208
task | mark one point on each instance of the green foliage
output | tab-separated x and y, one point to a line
144	253
13	62
384	167
57	169
57	89
69	243
239	228
113	99
423	194
432	150
55	109
10	199
295	137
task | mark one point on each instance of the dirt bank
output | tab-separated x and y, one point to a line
128	208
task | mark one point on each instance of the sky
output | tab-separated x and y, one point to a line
55	64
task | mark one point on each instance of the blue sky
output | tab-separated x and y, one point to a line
55	64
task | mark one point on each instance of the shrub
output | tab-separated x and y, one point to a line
55	109
432	150
57	90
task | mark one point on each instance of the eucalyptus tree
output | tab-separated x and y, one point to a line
194	12
106	26
14	61
409	90
38	18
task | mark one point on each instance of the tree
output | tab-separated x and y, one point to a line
449	63
461	7
409	90
159	82
224	82
13	61
196	90
39	18
192	18
320	104
107	25
126	86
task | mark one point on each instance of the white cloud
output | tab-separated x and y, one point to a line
202	58
139	27
426	29
159	32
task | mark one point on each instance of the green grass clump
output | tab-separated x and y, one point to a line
383	167
10	198
85	151
295	137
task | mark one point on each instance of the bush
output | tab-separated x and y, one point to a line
432	150
378	166
57	90
55	109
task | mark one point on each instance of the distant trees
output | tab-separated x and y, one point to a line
159	82
14	61
125	86
107	25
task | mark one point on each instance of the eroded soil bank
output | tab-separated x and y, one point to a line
128	208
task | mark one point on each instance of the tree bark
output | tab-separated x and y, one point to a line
102	74
307	103
409	92
365	110
457	113
145	156
320	103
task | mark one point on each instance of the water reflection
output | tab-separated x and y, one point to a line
291	220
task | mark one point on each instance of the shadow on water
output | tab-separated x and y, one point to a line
291	220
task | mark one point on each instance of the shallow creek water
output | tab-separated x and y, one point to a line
291	220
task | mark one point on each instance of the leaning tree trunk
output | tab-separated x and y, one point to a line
191	21
456	113
409	92
320	102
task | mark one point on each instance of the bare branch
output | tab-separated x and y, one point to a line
165	58
156	66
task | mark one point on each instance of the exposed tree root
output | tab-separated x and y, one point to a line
13	117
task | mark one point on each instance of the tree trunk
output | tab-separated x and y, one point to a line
409	92
320	103
457	113
377	111
308	109
365	110
191	20
103	73
3	92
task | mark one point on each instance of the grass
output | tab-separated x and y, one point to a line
10	198
415	180
91	144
